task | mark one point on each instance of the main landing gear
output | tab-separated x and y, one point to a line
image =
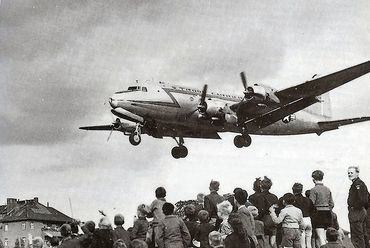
135	137
243	140
179	151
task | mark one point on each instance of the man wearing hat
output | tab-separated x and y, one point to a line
358	202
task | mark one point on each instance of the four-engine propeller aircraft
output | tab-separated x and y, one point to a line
165	110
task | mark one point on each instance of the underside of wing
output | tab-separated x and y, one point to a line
323	84
331	125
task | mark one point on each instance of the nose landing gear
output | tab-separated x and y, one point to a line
135	137
179	151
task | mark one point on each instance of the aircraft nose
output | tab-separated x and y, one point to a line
113	102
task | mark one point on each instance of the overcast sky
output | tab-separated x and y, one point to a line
61	60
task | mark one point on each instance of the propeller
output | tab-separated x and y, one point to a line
202	106
244	80
115	125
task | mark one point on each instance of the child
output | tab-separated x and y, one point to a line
259	227
204	229
191	220
292	222
215	239
332	238
223	211
141	224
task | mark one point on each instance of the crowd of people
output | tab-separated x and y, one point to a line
259	220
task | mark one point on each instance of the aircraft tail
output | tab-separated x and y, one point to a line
322	108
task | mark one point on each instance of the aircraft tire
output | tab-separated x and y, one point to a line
176	152
247	140
183	151
134	139
239	141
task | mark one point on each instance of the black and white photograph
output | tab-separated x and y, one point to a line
184	123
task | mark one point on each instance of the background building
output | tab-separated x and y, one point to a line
24	219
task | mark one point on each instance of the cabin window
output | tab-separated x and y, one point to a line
6	228
23	226
134	88
144	89
32	226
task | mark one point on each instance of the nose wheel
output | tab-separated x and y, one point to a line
135	137
242	140
179	151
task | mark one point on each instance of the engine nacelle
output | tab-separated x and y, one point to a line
260	91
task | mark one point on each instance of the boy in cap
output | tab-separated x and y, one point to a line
332	238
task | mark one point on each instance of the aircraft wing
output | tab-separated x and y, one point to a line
98	128
303	95
331	125
323	84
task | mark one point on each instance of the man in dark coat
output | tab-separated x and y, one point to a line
357	202
211	200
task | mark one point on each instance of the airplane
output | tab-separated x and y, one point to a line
167	110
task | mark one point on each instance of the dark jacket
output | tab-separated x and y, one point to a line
102	238
332	244
358	195
304	204
263	201
193	227
121	233
202	234
234	241
210	203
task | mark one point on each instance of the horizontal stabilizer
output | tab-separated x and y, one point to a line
98	128
330	125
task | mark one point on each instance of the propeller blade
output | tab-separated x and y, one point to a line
244	80
204	94
110	134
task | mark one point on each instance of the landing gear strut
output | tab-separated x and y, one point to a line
179	151
135	137
243	140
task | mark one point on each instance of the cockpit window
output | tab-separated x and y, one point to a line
132	88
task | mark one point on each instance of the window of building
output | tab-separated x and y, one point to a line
23	226
32	226
6	228
6	242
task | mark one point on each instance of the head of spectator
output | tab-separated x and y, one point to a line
297	188
241	197
317	176
119	220
215	239
257	185
65	230
88	227
237	225
168	208
224	209
138	243
253	210
237	189
142	211
203	216
288	199
74	228
331	234
200	198
119	244
214	186
37	242
54	241
160	192
104	223
266	184
353	172
190	212
307	193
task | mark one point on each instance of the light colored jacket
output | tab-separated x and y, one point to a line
290	217
321	197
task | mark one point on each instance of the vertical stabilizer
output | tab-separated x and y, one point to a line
322	108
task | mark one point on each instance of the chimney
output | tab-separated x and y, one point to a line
11	203
47	204
36	199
